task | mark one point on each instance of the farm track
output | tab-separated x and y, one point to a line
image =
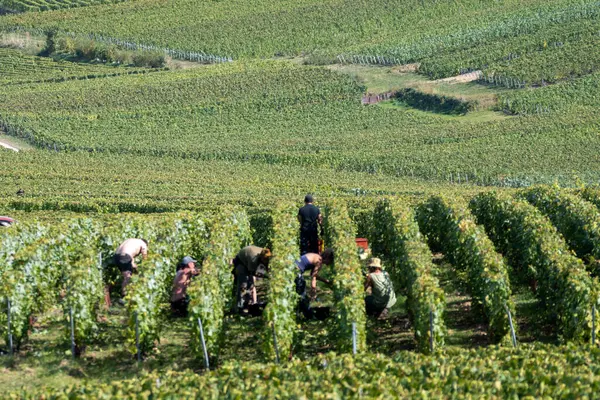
8	146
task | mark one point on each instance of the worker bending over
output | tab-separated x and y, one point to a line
310	219
125	255
186	270
311	262
382	296
250	262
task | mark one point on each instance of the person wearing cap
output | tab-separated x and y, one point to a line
382	296
250	262
310	219
186	270
311	262
124	258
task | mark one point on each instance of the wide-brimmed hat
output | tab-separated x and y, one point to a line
374	263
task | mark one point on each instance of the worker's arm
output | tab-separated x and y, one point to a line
368	282
254	298
320	219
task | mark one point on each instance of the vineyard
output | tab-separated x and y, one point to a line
45	5
498	245
458	140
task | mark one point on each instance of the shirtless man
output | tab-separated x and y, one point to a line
186	270
125	255
311	262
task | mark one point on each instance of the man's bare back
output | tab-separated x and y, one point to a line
133	248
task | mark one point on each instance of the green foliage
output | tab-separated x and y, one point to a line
571	97
81	281
280	312
534	248
211	293
540	371
348	285
576	219
449	225
395	237
47	5
433	102
17	68
23	270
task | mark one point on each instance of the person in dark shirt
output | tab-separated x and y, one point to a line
310	218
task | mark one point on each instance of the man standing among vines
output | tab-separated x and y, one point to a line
310	219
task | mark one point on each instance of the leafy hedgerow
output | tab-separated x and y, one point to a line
211	292
534	248
348	289
575	218
449	225
282	298
395	236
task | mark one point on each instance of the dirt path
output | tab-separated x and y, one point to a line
462	78
8	146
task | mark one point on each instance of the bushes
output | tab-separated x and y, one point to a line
90	50
576	219
534	247
434	103
211	292
449	226
348	289
282	297
395	236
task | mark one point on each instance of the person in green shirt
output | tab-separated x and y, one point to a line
382	296
250	262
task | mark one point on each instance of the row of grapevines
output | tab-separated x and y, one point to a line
449	226
81	281
591	194
22	268
533	246
530	371
150	290
348	289
211	294
280	315
575	218
395	236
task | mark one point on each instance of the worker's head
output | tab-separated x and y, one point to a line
308	199
186	262
374	264
265	257
327	256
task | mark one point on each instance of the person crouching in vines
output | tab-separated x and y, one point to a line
124	258
311	262
250	262
382	296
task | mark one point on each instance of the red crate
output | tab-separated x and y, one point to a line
363	243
